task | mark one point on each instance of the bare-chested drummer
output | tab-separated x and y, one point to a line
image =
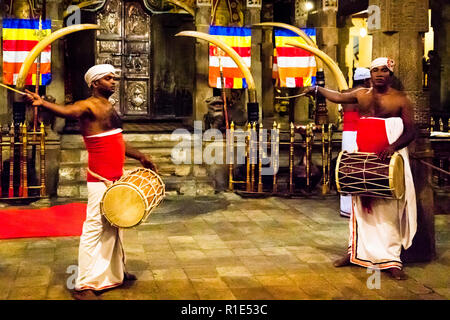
101	259
380	227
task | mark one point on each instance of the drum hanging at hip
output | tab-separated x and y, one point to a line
130	200
364	174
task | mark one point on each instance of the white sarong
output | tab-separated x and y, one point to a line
376	238
101	259
349	145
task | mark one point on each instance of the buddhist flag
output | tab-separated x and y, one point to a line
293	66
19	37
240	40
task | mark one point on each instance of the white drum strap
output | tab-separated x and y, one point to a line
99	177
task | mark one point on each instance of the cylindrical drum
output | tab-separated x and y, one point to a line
131	199
364	174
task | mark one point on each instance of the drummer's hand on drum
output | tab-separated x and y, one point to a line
148	163
386	152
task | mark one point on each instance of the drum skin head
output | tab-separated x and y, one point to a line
123	206
397	182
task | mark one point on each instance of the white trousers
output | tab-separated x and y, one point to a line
101	259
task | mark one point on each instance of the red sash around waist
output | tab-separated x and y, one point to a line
350	121
106	155
371	135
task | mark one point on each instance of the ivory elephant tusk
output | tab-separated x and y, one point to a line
340	79
294	29
232	53
32	55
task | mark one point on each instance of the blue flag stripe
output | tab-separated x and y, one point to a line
230	31
46	78
26	24
288	33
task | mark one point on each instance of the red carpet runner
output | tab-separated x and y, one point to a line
56	221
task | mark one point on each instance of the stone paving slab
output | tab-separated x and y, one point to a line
225	248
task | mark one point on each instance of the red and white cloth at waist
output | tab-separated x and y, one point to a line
375	134
106	155
350	120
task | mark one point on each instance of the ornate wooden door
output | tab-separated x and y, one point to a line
125	42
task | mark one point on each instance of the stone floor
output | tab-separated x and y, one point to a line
227	247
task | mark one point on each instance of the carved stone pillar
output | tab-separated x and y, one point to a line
344	23
299	107
301	13
253	15
267	45
202	89
56	87
440	63
399	37
327	40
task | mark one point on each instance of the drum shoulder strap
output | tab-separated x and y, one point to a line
99	177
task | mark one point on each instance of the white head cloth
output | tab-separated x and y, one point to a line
99	71
383	61
361	74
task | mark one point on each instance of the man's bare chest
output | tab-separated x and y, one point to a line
380	107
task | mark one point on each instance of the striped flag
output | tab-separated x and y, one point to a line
294	67
19	37
240	40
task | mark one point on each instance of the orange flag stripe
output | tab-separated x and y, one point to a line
14	67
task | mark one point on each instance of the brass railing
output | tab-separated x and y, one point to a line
257	148
17	144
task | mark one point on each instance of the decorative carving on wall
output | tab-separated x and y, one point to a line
203	3
301	15
227	13
254	3
403	15
110	18
137	96
115	101
125	43
136	20
109	46
329	5
154	4
420	102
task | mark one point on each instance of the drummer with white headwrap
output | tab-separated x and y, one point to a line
101	260
379	228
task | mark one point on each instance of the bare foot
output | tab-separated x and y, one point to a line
397	274
85	295
342	262
129	276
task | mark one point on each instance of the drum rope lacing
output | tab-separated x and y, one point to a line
366	160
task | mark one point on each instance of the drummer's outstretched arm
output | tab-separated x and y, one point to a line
72	111
333	96
145	160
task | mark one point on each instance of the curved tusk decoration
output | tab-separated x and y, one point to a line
32	55
233	54
82	5
340	79
183	6
296	30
